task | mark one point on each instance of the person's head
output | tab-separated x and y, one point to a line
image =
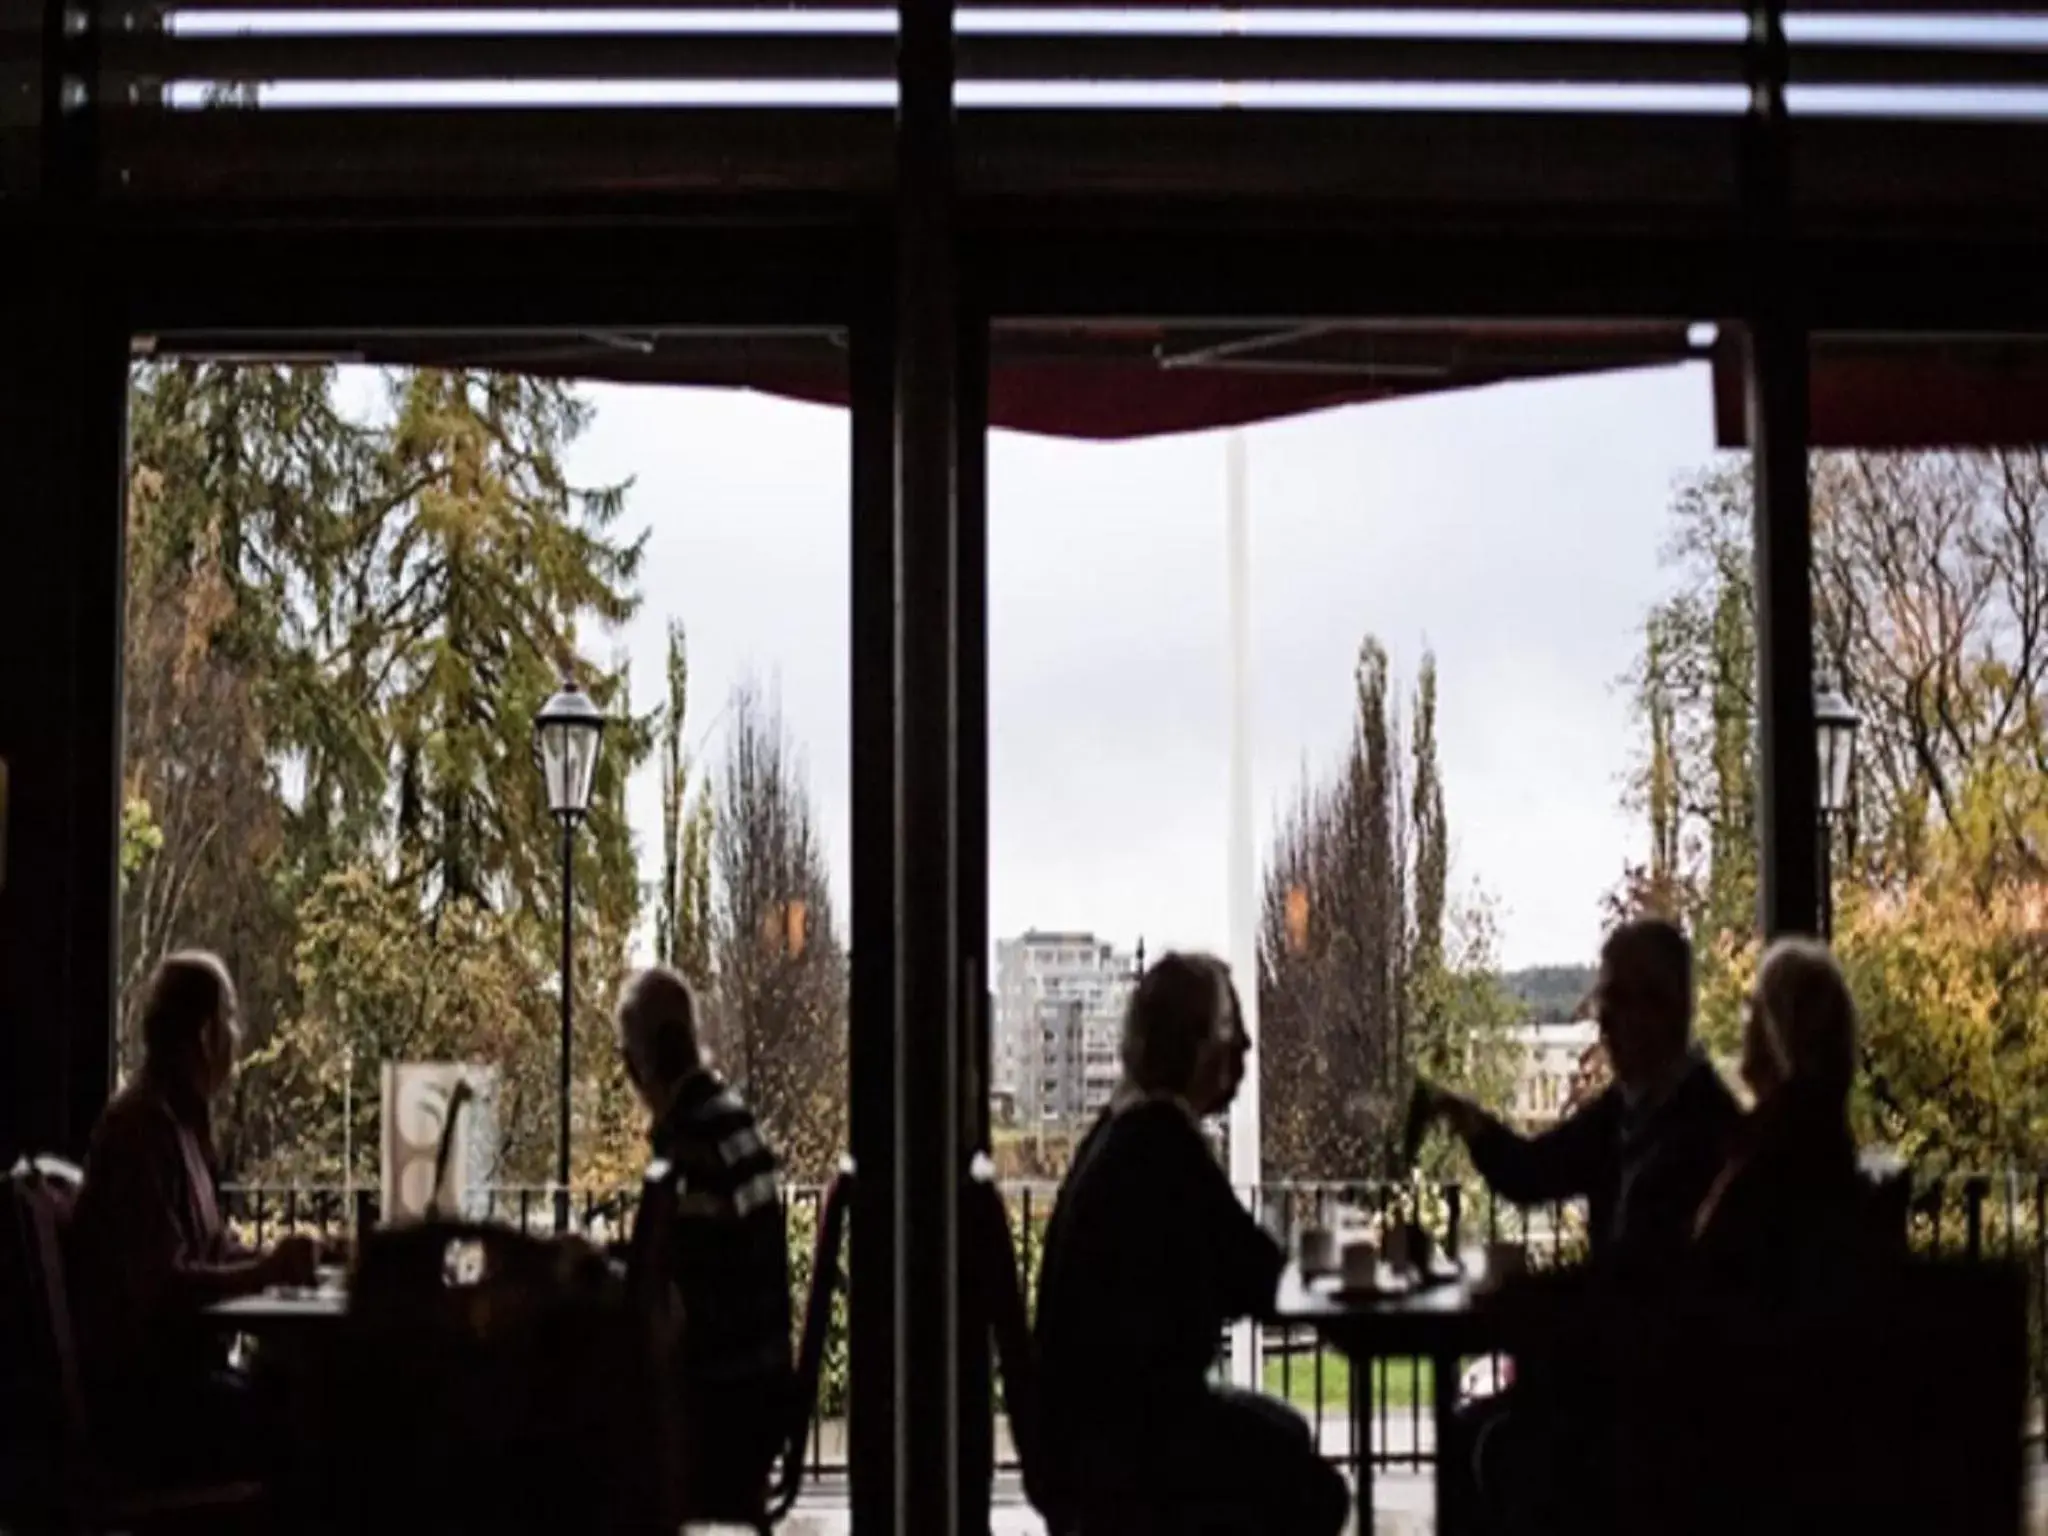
1643	999
1800	1025
1184	1032
190	1023
657	1024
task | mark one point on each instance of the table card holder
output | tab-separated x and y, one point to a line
426	1135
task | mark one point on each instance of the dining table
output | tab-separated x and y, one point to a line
284	1316
1447	1317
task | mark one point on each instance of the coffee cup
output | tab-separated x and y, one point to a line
1360	1268
1318	1251
1410	1248
1506	1261
1421	1249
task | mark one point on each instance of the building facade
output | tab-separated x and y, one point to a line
1060	999
1549	1064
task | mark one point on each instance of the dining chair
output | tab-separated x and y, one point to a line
80	1489
828	1280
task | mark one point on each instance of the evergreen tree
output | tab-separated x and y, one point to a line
682	933
339	631
1365	974
494	559
1431	838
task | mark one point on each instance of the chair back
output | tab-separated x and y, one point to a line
42	1193
486	1380
1887	1202
828	1279
653	1236
992	1267
1897	1405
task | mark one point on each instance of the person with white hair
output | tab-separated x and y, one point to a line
1148	1255
151	1250
729	1255
1787	1206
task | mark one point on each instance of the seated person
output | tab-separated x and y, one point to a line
1644	1152
1147	1256
729	1260
149	1249
1788	1207
1642	1155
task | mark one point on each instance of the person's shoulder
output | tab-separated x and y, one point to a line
135	1113
1605	1107
1152	1121
712	1108
718	1130
1709	1095
135	1137
1156	1137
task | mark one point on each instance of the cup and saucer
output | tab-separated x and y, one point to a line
1501	1265
1342	1267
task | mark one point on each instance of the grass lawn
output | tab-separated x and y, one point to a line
1396	1383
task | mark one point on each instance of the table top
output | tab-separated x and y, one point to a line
1446	1315
276	1308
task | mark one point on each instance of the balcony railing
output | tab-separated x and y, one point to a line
1996	1215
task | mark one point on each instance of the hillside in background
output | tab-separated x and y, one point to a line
1548	993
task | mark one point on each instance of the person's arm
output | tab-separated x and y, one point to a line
1250	1262
1190	1222
165	1271
1247	1261
1561	1163
1656	1222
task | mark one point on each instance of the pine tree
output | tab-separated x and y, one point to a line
243	495
1366	976
493	560
1431	838
682	933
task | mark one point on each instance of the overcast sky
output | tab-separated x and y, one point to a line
1515	530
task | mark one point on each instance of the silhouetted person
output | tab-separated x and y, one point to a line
1789	1206
1643	1153
1147	1256
149	1248
729	1257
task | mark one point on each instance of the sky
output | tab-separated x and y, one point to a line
1515	530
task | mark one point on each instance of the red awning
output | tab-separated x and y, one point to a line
1110	382
1976	392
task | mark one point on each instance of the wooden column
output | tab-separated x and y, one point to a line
977	1439
1788	801
871	1302
63	380
929	982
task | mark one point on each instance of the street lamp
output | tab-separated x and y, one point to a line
566	733
1834	727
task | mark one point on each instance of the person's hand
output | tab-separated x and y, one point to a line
1461	1114
292	1262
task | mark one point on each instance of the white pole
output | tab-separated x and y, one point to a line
1243	870
348	1133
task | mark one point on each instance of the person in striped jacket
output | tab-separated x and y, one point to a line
728	1256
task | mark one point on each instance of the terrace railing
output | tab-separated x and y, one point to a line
2002	1215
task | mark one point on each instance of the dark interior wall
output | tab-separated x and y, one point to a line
63	371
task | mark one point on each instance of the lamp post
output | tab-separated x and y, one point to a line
1834	727
566	733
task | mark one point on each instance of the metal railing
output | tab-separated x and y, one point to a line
1387	1417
